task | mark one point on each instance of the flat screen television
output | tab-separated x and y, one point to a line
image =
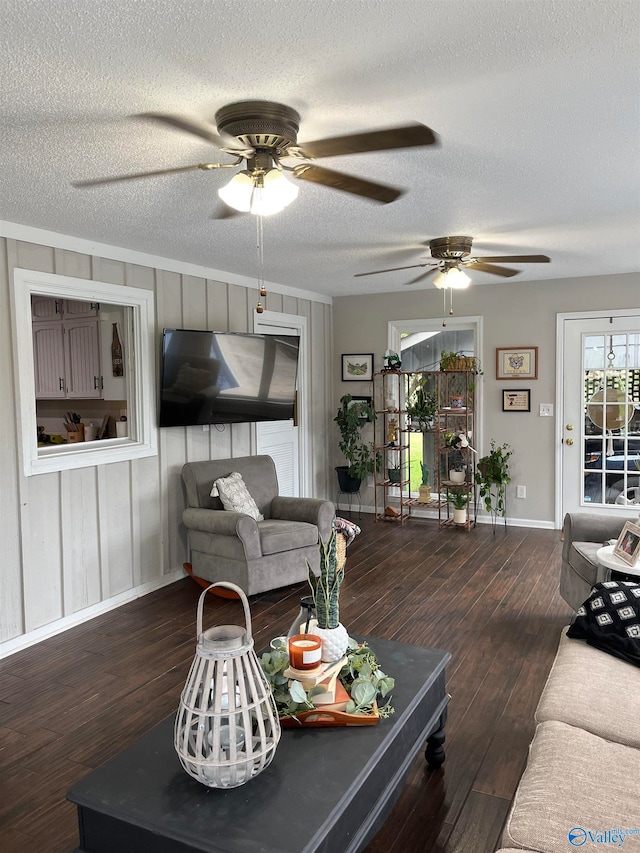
227	377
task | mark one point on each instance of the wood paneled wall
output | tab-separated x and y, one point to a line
77	540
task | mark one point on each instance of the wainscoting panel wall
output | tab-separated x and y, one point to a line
77	542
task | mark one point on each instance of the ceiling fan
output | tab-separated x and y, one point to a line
452	255
264	134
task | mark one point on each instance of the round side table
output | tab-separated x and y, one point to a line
611	563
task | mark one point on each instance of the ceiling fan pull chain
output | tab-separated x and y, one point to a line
262	290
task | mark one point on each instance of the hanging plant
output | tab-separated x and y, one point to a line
492	477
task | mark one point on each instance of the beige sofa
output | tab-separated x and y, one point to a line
581	780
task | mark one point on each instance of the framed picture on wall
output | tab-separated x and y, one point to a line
516	362
517	400
357	367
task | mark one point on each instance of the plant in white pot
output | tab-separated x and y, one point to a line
457	472
325	589
459	500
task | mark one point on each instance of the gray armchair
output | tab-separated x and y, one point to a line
583	534
255	555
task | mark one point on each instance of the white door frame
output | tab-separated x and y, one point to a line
266	323
560	367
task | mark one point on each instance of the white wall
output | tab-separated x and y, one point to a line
514	314
75	543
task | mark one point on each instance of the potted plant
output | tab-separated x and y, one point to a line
422	406
351	418
450	360
457	472
459	500
492	477
393	473
325	589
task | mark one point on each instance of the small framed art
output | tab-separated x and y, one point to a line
357	367
517	400
627	548
516	362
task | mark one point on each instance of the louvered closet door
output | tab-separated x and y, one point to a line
83	361
279	440
48	357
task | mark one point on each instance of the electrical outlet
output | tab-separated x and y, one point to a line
521	491
546	410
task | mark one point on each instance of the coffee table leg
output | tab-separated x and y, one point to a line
434	752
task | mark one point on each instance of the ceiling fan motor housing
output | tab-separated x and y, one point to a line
260	124
450	248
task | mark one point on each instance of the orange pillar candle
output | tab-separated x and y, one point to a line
305	651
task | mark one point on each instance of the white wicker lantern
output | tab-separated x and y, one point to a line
227	726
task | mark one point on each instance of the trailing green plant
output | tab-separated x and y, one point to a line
351	418
450	360
361	677
325	587
492	477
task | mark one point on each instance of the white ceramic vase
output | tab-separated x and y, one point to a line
334	641
457	476
460	516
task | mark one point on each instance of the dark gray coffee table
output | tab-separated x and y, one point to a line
327	790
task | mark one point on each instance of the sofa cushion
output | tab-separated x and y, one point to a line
590	689
574	782
610	620
235	496
582	559
277	535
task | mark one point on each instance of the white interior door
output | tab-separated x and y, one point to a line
599	373
286	441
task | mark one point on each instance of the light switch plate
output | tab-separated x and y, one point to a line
546	410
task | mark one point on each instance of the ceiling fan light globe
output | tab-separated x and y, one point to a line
238	192
273	194
457	279
440	281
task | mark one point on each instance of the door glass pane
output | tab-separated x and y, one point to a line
611	424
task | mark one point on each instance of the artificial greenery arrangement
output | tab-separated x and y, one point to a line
360	455
492	477
361	677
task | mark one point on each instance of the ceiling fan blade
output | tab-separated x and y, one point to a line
347	183
422	276
99	181
518	259
374	140
222	140
491	268
392	269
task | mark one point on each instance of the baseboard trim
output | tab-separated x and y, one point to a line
17	644
483	518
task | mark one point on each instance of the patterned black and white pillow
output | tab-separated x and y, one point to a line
610	620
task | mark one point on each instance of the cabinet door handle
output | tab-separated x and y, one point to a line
98	383
61	380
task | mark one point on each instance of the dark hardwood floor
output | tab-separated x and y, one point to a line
72	702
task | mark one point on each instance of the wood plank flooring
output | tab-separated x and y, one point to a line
72	702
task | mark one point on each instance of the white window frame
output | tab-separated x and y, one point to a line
139	357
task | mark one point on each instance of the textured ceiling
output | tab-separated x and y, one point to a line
535	103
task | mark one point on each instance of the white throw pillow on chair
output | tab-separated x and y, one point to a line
233	493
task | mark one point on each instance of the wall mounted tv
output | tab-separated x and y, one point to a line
227	377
